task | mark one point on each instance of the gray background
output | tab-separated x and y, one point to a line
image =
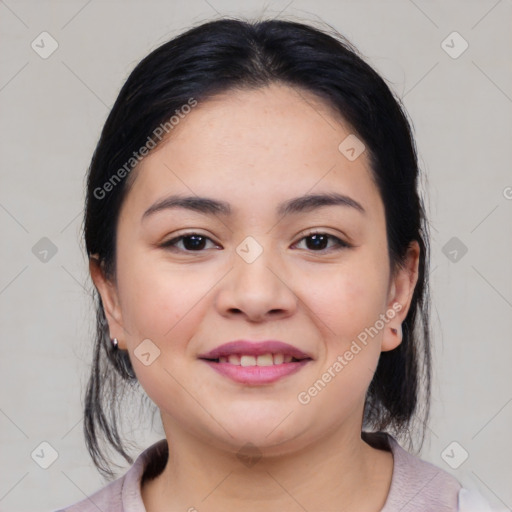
52	111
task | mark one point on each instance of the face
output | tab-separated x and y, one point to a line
191	279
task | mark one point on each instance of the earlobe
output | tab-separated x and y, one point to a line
109	298
400	296
393	331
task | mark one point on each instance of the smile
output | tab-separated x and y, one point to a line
257	370
256	363
262	360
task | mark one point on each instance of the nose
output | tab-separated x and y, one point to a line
259	290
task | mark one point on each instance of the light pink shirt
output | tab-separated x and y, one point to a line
416	485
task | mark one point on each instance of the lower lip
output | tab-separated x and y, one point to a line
257	374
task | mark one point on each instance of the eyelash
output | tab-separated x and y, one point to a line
339	243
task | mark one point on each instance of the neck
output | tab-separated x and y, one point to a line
352	477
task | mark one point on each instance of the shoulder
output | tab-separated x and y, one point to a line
416	485
124	494
107	498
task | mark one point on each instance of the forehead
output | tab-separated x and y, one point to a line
276	118
259	145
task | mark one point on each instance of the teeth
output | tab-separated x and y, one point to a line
234	359
278	358
248	361
262	360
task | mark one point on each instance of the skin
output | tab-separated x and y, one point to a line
255	149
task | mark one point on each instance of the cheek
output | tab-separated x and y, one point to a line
349	298
164	305
346	304
160	300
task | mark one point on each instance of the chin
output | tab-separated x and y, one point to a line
266	433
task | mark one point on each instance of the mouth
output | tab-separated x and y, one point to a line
247	360
256	363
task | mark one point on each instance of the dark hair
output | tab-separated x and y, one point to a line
228	54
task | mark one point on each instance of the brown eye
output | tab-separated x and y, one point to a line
318	242
191	242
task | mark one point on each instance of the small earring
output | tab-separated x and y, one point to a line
115	344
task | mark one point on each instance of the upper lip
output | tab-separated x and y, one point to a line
254	348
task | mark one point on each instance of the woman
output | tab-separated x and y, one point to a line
260	253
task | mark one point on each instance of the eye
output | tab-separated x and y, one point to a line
195	242
192	242
318	240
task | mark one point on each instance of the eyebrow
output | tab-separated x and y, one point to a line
293	206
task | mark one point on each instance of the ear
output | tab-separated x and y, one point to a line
400	295
109	298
